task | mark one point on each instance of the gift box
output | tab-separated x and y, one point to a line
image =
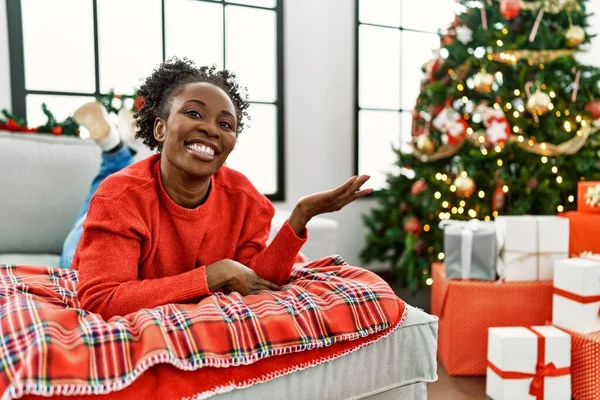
588	197
470	249
466	309
529	246
528	363
585	366
576	299
584	231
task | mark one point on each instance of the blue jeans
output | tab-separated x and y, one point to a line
111	163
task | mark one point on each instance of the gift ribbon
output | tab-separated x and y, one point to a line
466	240
542	370
577	297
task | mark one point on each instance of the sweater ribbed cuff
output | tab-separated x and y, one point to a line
194	284
285	247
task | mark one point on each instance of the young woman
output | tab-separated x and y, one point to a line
179	225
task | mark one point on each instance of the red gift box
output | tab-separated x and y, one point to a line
585	365
584	232
466	309
588	196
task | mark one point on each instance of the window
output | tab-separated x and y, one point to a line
394	39
65	52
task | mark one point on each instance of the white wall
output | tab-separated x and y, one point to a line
319	95
5	101
319	101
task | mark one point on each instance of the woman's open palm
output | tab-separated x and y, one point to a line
335	199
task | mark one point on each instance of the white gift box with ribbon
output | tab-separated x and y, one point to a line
528	363
470	249
576	297
530	245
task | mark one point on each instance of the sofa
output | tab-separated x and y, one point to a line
43	182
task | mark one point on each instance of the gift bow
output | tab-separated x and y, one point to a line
592	197
542	370
467	229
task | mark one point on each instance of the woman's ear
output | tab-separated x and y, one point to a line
159	130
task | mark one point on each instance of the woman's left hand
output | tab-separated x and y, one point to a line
325	202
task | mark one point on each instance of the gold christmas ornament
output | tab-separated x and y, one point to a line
538	103
483	81
575	35
425	145
465	186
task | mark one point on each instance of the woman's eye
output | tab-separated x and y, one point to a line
193	113
226	124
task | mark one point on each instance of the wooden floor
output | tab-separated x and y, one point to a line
456	388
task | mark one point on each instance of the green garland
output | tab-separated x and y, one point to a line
68	127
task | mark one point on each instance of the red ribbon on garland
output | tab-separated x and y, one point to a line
542	370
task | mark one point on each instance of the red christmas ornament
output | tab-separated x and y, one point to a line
448	39
139	103
419	247
12	124
532	184
498	197
412	226
402	206
418	187
57	130
510	8
594	109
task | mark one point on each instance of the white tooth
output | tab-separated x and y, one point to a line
201	149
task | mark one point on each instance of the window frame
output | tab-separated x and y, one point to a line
357	107
19	90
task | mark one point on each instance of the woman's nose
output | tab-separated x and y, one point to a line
209	130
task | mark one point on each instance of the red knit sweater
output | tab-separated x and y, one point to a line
140	249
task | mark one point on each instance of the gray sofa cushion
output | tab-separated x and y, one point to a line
43	183
42	260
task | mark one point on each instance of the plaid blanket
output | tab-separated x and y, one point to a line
49	346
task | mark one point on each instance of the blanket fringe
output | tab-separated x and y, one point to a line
19	390
232	386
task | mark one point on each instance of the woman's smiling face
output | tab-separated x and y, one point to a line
200	131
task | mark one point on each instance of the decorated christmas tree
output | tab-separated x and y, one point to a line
505	124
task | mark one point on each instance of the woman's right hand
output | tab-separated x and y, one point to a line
235	277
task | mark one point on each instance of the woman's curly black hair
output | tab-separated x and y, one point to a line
167	81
